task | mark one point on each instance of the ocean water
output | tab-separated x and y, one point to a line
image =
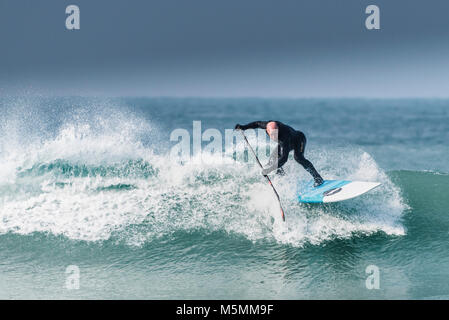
89	182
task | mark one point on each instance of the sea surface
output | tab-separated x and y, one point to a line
93	204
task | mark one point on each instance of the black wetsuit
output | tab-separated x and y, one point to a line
288	139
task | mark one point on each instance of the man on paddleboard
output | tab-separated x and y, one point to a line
288	139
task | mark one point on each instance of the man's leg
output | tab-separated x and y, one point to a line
308	166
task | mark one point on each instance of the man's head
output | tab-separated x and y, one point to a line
272	130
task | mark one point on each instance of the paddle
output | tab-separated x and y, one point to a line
268	178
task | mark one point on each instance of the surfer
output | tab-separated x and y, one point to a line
288	139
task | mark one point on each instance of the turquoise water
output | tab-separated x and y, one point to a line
89	182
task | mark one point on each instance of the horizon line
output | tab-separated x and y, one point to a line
42	95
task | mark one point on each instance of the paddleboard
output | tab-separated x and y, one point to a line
333	190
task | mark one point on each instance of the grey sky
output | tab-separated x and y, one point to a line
283	48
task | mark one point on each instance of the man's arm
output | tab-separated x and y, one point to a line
252	125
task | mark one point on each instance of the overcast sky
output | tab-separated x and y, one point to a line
259	48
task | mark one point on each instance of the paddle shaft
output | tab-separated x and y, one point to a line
267	177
